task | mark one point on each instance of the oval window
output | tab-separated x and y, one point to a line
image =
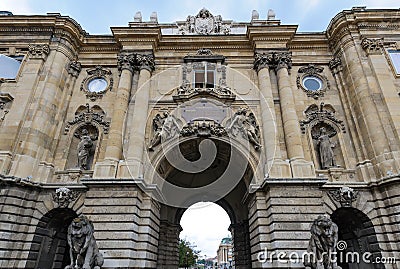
312	83
97	85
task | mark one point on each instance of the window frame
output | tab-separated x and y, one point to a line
205	69
20	58
391	62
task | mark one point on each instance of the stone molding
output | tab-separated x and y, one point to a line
185	92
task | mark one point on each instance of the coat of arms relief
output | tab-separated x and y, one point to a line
204	23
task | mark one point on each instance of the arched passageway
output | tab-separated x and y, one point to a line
50	248
204	186
357	230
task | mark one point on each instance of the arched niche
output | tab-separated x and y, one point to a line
358	233
50	247
324	134
90	123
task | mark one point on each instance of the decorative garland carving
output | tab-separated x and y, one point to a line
345	196
203	128
323	114
89	116
372	45
94	73
312	71
204	23
64	196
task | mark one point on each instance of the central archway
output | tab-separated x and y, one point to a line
200	185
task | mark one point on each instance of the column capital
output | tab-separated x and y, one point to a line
372	45
273	59
38	51
145	61
125	61
74	68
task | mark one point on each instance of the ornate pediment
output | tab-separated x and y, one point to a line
322	114
204	23
87	115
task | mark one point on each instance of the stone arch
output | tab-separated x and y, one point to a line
50	248
357	230
231	200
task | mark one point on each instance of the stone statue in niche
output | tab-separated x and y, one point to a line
322	244
84	252
245	125
85	148
325	148
165	127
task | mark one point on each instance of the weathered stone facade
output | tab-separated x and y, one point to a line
113	127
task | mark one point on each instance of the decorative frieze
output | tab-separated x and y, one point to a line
345	196
372	45
203	128
74	68
38	51
64	196
274	60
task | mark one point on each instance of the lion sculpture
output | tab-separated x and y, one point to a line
84	252
324	238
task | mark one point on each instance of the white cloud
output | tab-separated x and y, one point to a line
205	224
16	6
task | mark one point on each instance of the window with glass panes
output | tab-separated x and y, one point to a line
395	58
204	76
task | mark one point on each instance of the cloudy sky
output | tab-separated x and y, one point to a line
96	17
203	225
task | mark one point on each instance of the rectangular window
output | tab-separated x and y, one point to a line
395	59
204	77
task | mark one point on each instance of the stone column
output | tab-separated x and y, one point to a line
36	132
168	241
371	130
385	94
281	62
133	167
274	166
113	153
241	245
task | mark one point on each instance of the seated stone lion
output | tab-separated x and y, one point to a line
324	237
84	252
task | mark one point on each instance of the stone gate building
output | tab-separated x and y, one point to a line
129	129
